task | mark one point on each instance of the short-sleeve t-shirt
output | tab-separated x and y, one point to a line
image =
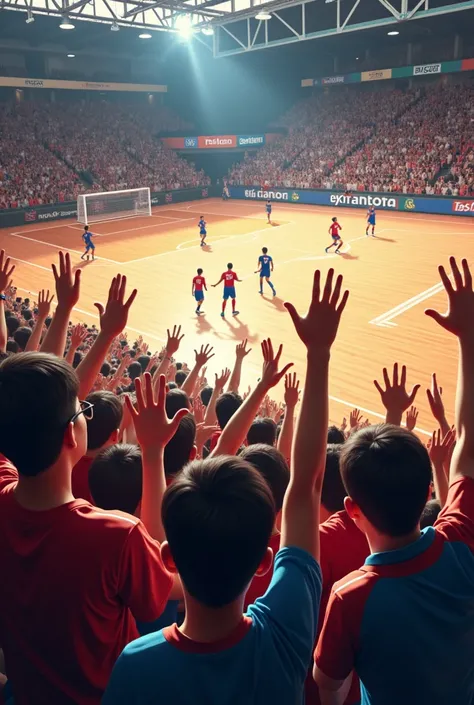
229	278
265	660
334	228
199	282
265	262
405	620
77	578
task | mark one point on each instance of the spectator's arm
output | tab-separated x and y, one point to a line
236	430
153	431
210	416
435	400
300	518
78	334
440	449
44	306
6	273
202	358
285	440
240	353
395	397
459	321
172	346
67	294
113	320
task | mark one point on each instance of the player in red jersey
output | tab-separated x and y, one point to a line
199	283
334	233
228	277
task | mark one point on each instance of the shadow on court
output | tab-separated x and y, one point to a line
240	331
275	301
384	239
348	255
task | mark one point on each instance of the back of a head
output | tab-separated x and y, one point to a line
179	449
226	406
333	492
263	430
12	324
180	378
115	478
134	370
215	551
107	417
38	396
22	336
430	513
386	470
273	467
175	400
206	394
335	435
143	361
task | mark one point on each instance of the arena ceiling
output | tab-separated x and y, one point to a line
229	27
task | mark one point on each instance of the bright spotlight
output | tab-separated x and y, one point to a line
71	56
208	31
393	33
66	23
263	16
144	35
184	26
114	27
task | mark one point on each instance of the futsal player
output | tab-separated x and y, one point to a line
370	221
199	284
265	267
229	278
202	230
269	210
87	237
334	229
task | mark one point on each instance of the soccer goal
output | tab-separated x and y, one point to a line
96	207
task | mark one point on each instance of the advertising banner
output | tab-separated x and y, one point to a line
217	142
332	79
378	75
250	140
81	85
426	69
173	142
467	65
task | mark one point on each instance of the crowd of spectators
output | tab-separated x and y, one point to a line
225	530
50	152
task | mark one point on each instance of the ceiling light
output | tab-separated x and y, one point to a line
114	27
29	18
208	31
66	23
263	16
184	26
393	33
144	35
71	56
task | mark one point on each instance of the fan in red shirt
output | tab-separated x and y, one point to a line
334	229
229	278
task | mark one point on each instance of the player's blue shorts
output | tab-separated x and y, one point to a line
203	232
371	219
90	246
269	210
229	292
264	273
199	295
336	237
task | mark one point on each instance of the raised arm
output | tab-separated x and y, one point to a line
67	294
435	400
240	353
458	320
236	430
395	397
440	450
153	430
78	335
6	272
317	330
292	394
202	358
172	346
210	416
44	307
113	319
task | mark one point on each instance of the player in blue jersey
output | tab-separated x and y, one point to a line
202	230
265	267
370	221
268	208
87	237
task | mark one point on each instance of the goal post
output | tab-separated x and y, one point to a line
110	205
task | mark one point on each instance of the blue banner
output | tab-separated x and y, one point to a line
191	142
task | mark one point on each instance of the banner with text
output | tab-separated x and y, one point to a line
80	85
217	141
379	75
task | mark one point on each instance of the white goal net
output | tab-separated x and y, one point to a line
95	207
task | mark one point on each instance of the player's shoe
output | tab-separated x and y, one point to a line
260	292
222	314
274	292
235	313
326	250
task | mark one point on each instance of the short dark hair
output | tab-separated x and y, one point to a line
22	336
215	551
226	406
263	430
134	370
178	449
335	435
105	369
12	346
386	470
430	513
115	478
333	492
264	250
12	324
108	413
38	392
78	357
27	314
180	378
229	265
199	271
206	394
143	361
175	400
273	467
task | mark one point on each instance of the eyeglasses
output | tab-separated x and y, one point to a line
86	408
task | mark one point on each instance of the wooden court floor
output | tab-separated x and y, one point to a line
392	279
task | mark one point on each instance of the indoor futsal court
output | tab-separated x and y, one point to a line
392	279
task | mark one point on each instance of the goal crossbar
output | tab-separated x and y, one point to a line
113	205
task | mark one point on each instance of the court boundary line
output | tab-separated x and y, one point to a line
60	247
385	320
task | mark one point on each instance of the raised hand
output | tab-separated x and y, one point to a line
222	379
113	318
78	335
292	390
67	285
318	328
412	417
435	400
204	355
271	375
44	303
441	446
355	419
458	317
6	272
241	350
199	410
152	426
173	341
395	397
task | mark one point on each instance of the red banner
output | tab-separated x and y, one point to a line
467	65
217	142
